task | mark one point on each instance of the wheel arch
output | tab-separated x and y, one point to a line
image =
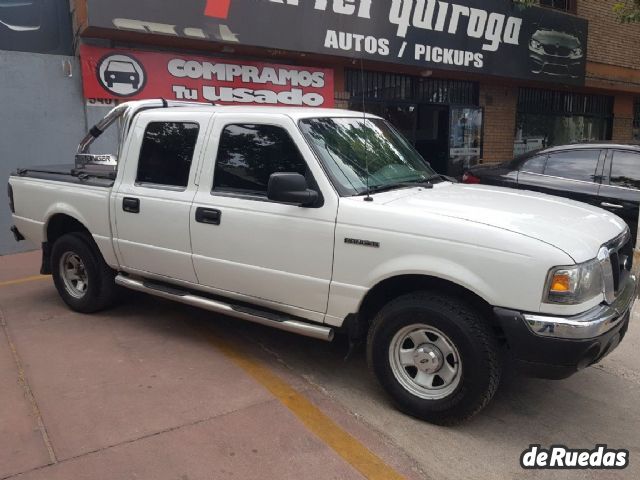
57	225
393	287
60	224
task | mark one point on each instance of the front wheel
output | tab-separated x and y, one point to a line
435	356
81	276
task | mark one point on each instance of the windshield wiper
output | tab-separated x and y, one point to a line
393	186
444	178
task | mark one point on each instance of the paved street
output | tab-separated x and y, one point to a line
152	389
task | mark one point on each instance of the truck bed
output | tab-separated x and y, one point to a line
68	173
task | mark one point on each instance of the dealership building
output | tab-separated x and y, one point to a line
466	81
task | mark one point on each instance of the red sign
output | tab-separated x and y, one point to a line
217	8
134	75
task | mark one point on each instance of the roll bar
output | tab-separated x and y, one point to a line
127	111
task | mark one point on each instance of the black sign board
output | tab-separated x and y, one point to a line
37	26
494	37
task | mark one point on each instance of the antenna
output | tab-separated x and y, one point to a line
368	198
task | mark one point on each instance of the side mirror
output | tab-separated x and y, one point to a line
290	188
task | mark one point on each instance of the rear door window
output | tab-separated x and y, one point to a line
574	165
167	153
625	170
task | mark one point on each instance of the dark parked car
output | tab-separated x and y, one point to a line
606	175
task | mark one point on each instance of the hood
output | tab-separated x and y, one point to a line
551	37
576	228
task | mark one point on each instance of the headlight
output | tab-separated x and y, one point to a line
535	45
576	53
576	284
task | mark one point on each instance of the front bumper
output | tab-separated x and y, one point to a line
551	65
557	347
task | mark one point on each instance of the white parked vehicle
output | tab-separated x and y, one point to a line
317	221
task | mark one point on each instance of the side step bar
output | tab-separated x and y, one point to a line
263	318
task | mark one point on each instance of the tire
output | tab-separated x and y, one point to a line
454	371
94	288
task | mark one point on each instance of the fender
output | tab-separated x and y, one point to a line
436	267
347	299
104	243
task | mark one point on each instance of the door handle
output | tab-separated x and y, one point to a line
611	205
131	205
210	216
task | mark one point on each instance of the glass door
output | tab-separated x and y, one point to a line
465	139
402	115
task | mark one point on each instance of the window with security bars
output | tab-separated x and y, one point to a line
551	117
564	5
396	87
534	100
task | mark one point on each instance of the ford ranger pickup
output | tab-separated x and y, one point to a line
320	222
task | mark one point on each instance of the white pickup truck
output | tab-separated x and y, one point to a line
322	221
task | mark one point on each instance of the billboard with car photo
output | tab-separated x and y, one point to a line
494	37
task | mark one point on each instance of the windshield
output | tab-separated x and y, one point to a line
121	66
349	147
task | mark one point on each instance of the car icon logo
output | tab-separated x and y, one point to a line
121	75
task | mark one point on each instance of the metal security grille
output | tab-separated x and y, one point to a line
552	102
636	113
390	86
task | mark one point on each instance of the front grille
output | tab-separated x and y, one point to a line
615	267
556	68
557	50
620	255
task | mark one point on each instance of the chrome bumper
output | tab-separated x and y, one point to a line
597	321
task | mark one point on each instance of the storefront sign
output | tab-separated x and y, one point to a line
127	74
493	37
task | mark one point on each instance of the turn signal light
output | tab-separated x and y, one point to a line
469	178
560	283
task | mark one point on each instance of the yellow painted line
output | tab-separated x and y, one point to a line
18	281
343	443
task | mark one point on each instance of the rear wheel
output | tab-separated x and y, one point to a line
81	276
435	356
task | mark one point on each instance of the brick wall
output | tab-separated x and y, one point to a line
499	102
609	41
623	119
622	130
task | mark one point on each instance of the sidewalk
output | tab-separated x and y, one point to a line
151	389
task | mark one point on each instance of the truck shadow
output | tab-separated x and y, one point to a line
523	411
